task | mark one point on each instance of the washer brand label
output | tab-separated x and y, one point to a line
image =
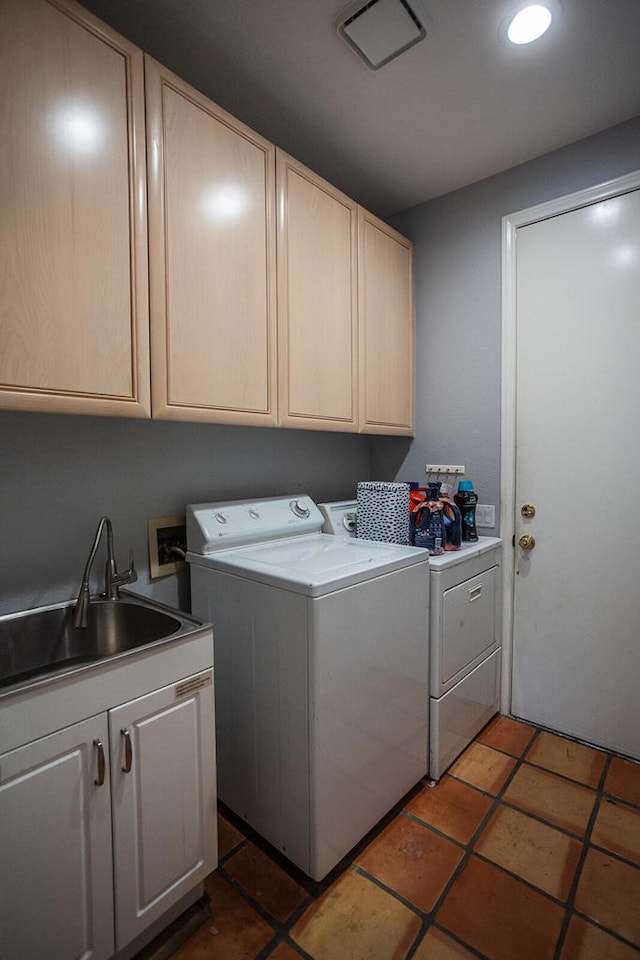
187	687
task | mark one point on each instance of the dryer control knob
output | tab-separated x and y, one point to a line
299	509
349	522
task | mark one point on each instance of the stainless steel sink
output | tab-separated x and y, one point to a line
43	642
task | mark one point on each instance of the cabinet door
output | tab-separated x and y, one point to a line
212	259
73	244
164	800
56	880
317	301
386	328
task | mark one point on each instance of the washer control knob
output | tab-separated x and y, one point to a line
253	513
221	517
299	509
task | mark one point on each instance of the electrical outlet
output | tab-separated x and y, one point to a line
485	515
443	468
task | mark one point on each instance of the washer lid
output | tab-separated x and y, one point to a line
316	564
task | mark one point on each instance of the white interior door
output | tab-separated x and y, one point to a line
576	642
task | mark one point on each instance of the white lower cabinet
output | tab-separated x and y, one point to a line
56	881
107	824
162	779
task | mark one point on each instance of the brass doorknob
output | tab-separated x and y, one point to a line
527	542
528	511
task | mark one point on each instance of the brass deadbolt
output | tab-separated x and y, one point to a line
528	511
527	542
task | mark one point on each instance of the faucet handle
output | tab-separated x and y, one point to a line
115	579
131	574
127	576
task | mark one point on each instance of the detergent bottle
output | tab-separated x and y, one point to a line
452	518
467	498
428	522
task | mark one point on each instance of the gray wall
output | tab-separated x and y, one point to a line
457	241
60	474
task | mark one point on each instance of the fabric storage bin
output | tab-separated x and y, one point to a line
383	511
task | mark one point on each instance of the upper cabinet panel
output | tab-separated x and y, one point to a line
386	328
317	301
73	294
212	259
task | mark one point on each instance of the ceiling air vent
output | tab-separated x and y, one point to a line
380	30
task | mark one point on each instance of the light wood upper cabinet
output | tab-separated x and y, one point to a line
386	328
232	314
212	259
317	301
73	293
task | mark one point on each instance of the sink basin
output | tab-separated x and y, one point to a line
41	642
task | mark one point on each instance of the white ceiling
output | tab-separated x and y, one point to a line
457	107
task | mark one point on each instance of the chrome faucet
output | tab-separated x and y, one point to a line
112	579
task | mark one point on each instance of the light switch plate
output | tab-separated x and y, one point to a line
485	515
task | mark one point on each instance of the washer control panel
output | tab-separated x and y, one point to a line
222	525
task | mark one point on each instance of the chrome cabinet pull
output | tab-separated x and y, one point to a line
101	763
475	592
128	752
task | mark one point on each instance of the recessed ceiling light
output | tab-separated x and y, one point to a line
529	24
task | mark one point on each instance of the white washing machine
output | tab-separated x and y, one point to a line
464	638
321	672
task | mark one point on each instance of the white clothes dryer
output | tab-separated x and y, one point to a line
321	672
464	638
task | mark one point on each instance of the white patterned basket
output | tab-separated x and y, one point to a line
383	511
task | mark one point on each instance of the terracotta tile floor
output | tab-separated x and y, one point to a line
527	849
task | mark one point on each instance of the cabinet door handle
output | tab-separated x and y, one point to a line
128	752
101	764
475	592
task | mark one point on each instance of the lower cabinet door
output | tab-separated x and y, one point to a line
164	800
56	880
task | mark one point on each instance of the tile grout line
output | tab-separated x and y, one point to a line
566	904
232	852
607	930
282	929
474	838
570	908
497	801
427	919
495	798
429	826
454	936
